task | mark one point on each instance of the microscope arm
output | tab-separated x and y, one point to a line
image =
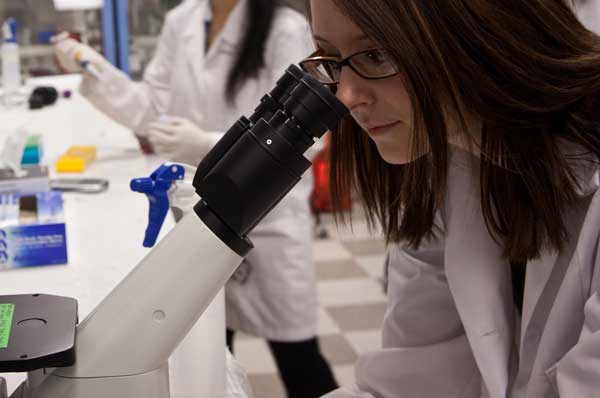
137	326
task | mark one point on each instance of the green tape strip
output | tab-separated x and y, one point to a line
6	316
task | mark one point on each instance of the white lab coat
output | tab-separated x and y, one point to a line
451	329
274	294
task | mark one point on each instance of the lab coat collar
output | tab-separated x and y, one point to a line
200	10
233	28
194	40
236	22
194	37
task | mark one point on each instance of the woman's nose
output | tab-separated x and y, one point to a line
352	89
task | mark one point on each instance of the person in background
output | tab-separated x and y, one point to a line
214	60
474	139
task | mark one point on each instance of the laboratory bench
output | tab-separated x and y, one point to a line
104	230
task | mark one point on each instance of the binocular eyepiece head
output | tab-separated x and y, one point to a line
261	158
311	102
301	97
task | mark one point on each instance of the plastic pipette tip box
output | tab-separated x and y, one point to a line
76	159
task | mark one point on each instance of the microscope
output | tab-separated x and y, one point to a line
120	350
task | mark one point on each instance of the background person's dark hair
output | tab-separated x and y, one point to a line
251	56
526	68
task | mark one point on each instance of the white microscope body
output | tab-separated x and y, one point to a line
123	346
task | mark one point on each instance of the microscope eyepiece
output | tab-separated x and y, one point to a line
261	158
304	98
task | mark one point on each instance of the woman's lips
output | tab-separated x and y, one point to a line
381	128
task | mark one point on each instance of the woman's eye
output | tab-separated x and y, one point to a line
376	57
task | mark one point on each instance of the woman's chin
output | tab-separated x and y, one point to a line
397	157
394	157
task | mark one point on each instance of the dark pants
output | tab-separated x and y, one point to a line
303	369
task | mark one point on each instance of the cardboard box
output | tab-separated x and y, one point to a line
32	230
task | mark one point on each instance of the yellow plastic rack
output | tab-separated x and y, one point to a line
76	159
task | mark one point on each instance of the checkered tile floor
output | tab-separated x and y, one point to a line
350	260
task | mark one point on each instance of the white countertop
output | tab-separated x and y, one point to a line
104	231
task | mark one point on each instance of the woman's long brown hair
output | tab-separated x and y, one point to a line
526	68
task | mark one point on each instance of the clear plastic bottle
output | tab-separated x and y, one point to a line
11	63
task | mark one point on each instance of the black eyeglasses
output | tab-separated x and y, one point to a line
369	64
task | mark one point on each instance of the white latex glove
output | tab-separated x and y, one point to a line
180	140
70	53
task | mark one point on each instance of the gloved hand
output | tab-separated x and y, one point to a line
70	53
180	140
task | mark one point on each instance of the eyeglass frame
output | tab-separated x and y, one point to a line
343	62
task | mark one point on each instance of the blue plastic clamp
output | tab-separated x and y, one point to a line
155	188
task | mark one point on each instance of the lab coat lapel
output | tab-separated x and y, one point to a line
480	281
194	36
538	274
482	293
230	36
545	274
